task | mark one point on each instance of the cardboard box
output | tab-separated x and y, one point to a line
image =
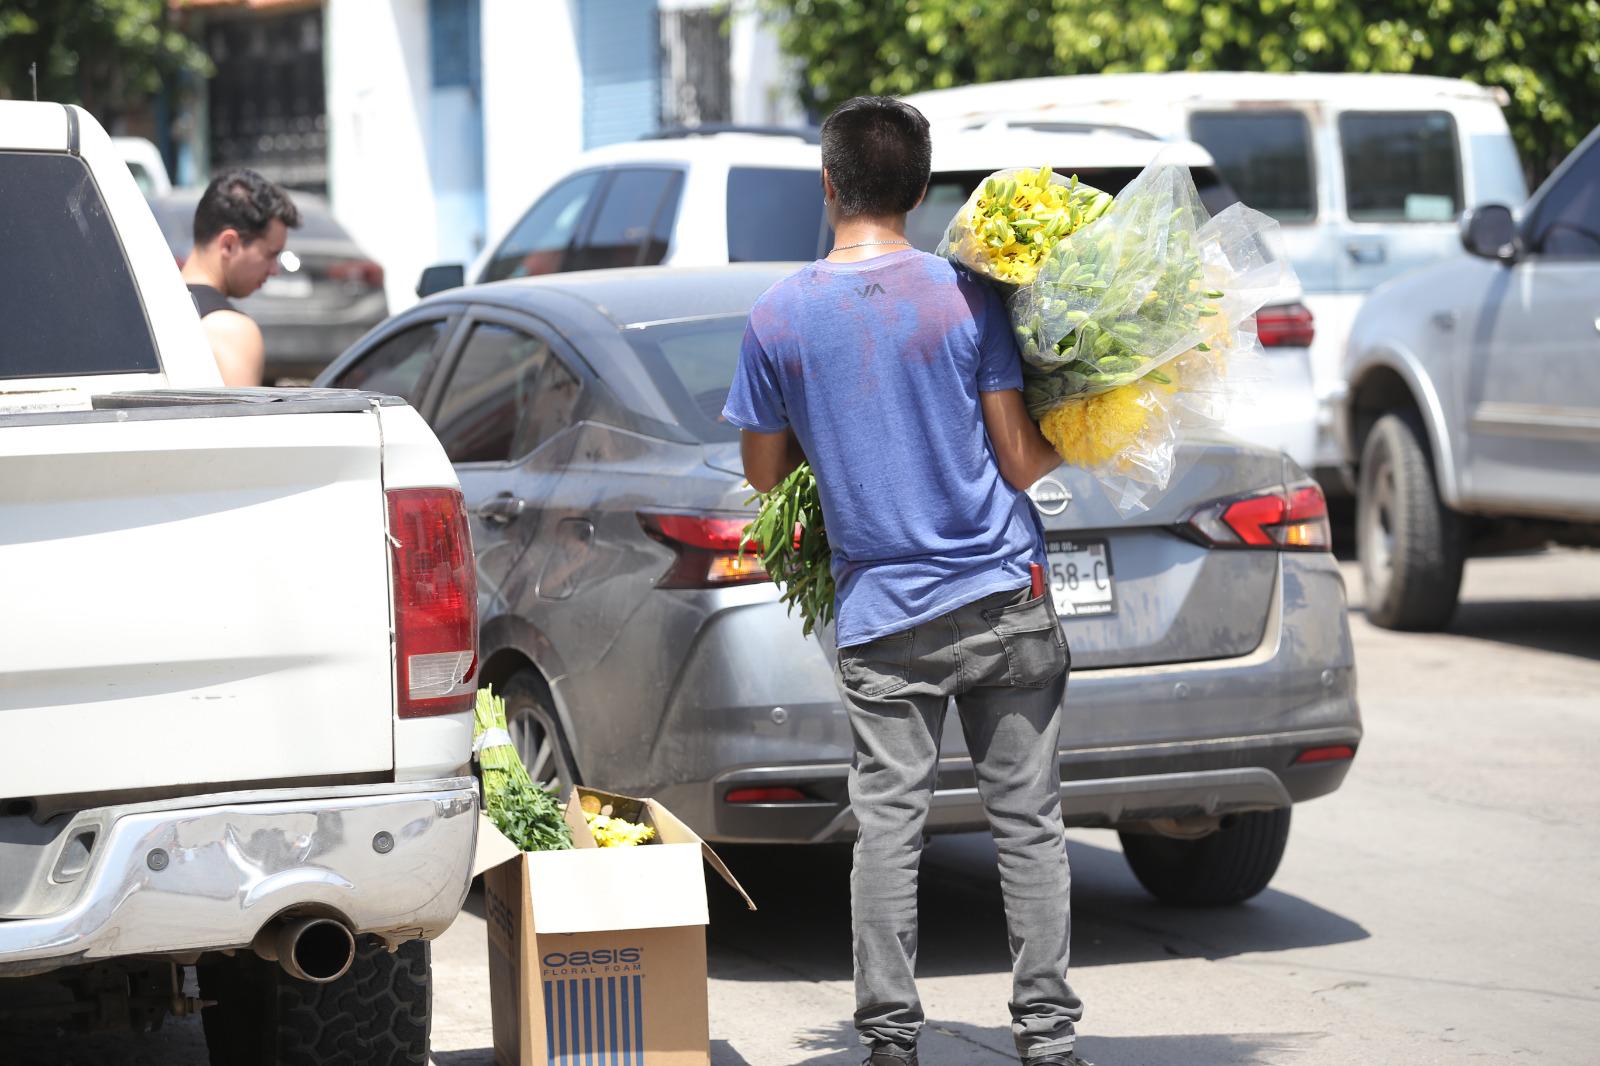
598	955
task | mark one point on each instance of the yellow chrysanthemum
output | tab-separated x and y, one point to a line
1089	431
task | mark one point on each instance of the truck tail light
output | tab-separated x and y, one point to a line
1292	518
708	550
1285	326
435	602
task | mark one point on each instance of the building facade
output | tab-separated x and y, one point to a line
431	124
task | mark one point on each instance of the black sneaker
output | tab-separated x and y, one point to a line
1057	1058
892	1056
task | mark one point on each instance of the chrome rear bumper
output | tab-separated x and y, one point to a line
207	872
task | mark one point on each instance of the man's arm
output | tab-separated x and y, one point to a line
236	343
1024	455
769	457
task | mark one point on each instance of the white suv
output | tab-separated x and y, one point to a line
728	195
701	198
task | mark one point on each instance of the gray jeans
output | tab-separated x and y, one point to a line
1004	660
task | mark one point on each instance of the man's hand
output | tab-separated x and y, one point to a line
237	346
1023	453
769	457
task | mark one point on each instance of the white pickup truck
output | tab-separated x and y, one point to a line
237	657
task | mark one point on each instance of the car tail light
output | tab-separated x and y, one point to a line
1285	326
435	602
363	270
766	795
708	548
1332	753
1282	519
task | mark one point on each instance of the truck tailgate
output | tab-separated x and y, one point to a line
192	599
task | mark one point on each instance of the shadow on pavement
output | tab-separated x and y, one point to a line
803	926
1566	627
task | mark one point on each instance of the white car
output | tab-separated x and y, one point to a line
1367	173
756	196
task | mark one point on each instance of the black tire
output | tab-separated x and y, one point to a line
536	732
1228	866
1410	545
377	1014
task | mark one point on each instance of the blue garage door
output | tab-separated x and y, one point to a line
619	46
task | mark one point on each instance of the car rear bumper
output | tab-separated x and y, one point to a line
1138	743
202	873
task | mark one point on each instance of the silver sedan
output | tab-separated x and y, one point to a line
1213	683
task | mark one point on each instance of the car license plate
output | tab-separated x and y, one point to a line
287	287
1080	578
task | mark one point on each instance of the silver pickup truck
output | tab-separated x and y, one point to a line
237	657
1472	424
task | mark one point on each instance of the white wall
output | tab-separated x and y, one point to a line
532	101
378	85
764	79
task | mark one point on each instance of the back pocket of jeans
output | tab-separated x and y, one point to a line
1036	649
877	667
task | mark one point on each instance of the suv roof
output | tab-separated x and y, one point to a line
1044	95
728	148
1014	142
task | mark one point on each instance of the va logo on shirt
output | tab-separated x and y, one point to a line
870	290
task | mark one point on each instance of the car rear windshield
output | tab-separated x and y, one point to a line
1265	156
774	215
692	364
68	302
948	190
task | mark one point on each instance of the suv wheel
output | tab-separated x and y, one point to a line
1409	543
1228	866
377	1014
536	733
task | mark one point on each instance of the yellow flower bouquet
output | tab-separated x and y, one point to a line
1129	311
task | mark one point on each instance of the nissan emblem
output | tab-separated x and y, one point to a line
1050	496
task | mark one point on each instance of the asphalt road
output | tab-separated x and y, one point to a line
1441	908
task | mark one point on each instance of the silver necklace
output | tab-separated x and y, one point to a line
867	244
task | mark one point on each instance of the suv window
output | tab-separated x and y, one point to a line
1265	156
399	366
634	221
67	298
539	243
1568	223
774	214
1400	166
507	394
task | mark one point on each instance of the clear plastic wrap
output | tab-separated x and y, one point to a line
1014	217
1135	322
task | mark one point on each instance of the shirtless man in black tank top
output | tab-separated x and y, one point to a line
240	226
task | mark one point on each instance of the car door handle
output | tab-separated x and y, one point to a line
501	509
1367	253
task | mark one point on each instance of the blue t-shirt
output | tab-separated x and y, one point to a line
877	366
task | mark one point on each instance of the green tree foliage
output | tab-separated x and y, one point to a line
1544	53
106	55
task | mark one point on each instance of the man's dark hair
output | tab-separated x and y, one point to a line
241	200
877	153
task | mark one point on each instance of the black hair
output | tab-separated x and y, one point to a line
878	154
241	200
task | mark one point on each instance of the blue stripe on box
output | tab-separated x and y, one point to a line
588	1026
549	1024
561	1023
611	1016
627	1030
638	1017
572	1002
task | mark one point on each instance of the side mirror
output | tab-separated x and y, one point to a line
441	276
1490	231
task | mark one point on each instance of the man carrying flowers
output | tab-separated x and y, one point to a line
896	374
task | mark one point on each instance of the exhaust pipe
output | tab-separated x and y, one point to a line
318	950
